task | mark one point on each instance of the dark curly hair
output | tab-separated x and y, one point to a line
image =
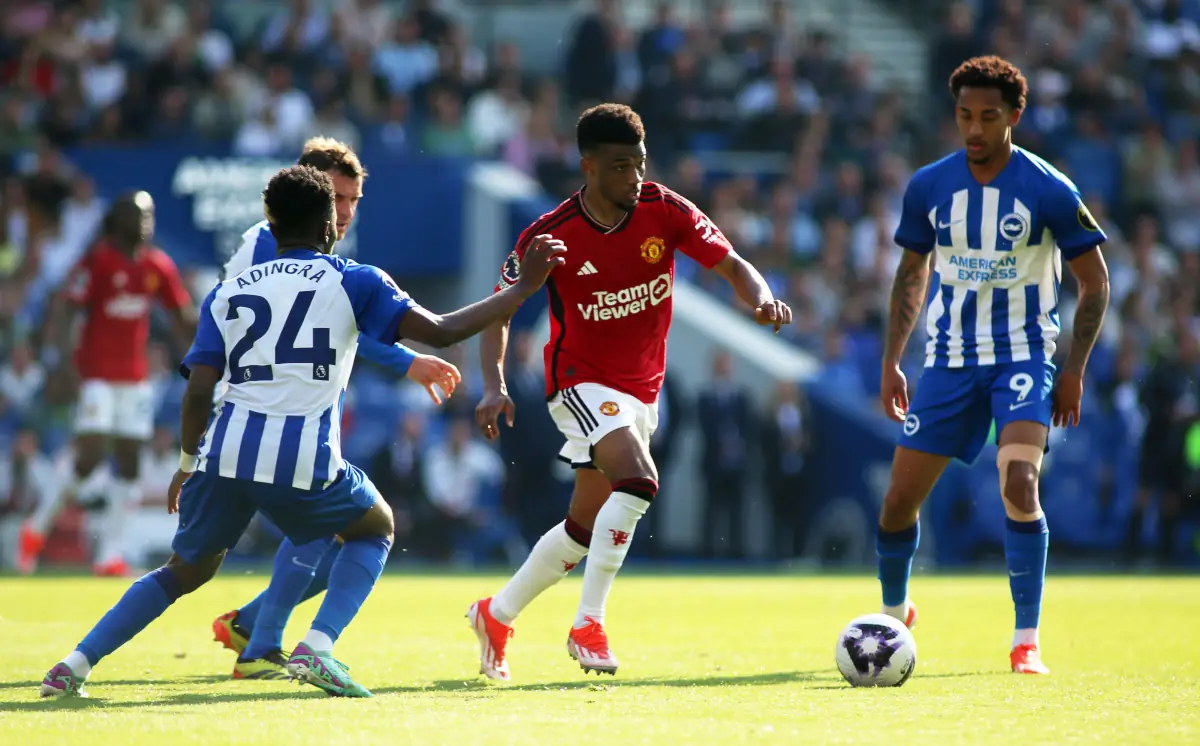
299	201
608	124
992	72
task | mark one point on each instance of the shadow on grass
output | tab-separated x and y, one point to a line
828	681
473	686
606	682
918	676
207	679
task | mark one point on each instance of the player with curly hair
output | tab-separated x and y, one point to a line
983	232
282	337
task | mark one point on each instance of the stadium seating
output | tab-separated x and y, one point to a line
795	132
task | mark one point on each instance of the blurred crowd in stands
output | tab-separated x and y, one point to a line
1115	103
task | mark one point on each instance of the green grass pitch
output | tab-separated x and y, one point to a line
704	659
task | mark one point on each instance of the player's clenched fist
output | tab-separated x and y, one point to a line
544	255
773	313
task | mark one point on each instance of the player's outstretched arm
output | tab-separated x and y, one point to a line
750	286
542	257
396	358
444	330
908	295
438	377
698	236
1091	273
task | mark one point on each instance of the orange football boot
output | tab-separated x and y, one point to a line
493	639
29	548
115	568
229	633
589	646
1027	659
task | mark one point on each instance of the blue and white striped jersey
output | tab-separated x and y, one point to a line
285	333
258	247
993	297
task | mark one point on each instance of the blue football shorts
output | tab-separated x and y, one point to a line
214	511
953	409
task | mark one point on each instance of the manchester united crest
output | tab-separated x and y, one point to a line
653	249
610	409
151	283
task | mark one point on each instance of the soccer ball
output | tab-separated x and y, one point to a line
876	650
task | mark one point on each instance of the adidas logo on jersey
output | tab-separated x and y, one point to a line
586	269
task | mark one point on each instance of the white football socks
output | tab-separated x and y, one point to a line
319	642
611	536
78	663
897	612
123	497
554	555
50	503
1025	637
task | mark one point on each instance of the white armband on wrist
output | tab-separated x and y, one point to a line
187	461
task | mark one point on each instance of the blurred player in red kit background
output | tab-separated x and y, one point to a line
114	286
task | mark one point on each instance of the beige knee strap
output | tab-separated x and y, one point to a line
1008	454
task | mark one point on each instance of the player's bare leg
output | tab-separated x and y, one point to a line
1026	539
123	496
90	450
145	601
914	474
624	457
557	553
592	490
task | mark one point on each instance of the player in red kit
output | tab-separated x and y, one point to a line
114	285
610	309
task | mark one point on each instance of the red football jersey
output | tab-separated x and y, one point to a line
115	289
610	304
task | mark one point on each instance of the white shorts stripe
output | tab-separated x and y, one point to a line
587	420
604	410
584	427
